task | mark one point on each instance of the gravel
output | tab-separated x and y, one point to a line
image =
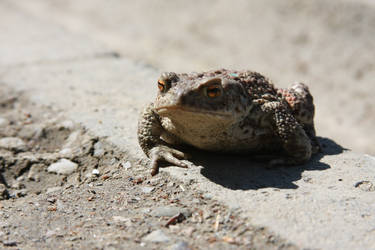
63	166
12	143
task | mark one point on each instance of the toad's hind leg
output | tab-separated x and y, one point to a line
302	105
295	143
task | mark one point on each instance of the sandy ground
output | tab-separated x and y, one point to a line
330	45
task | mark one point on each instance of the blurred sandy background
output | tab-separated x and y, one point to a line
330	45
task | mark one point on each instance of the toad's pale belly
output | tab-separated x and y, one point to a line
223	137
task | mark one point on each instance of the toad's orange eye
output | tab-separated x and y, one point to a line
161	85
213	91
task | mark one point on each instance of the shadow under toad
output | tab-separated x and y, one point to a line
238	172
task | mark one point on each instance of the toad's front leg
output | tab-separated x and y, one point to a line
149	132
295	142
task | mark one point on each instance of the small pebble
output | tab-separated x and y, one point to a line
72	140
64	167
51	199
20	178
68	124
10	243
147	190
170	184
118	218
33	174
31	131
18	185
155	180
3	122
12	143
66	151
126	165
99	149
95	172
157	236
207	196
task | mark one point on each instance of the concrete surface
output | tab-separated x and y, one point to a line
35	41
330	45
328	204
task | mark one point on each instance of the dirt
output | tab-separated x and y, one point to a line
107	202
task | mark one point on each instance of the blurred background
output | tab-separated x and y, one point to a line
330	45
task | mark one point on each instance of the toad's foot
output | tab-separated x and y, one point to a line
166	154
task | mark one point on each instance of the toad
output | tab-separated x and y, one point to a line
227	111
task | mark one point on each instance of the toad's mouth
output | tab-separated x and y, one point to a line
165	110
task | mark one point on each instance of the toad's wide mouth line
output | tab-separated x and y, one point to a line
165	109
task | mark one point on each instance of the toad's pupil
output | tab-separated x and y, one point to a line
161	85
213	92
